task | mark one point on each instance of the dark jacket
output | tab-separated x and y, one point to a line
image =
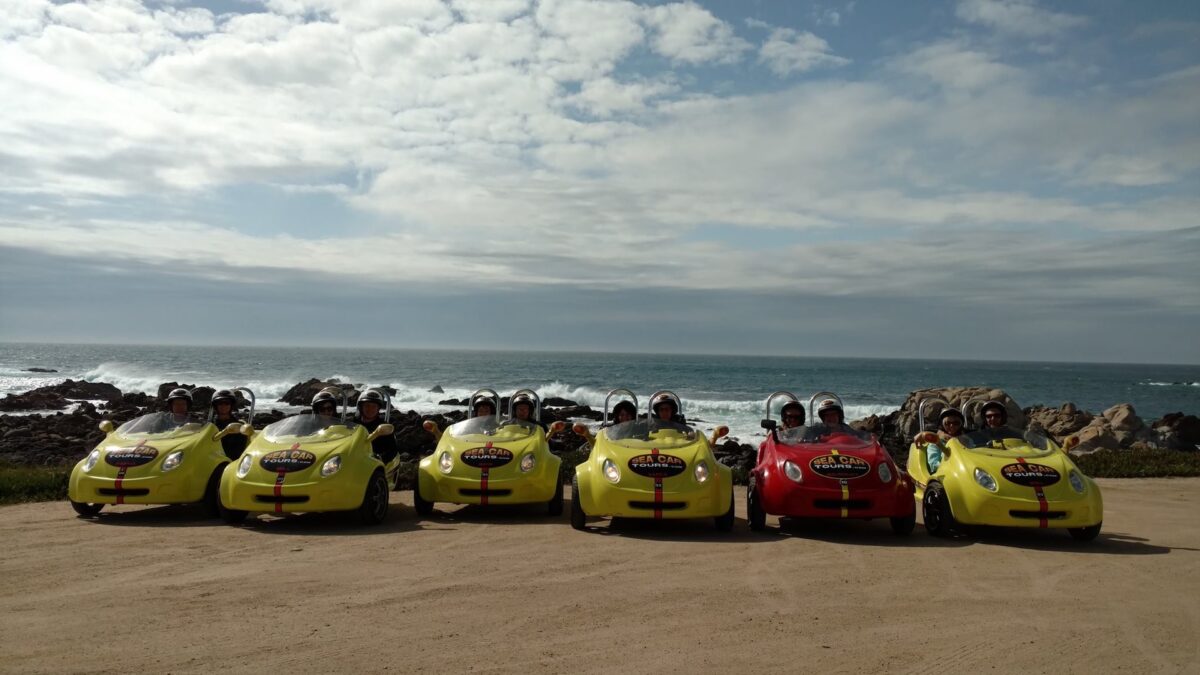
385	446
233	444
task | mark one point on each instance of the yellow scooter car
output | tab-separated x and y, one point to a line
158	458
999	476
489	460
312	462
652	468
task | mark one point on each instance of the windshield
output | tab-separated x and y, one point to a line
160	423
663	433
821	433
1004	438
502	431
303	425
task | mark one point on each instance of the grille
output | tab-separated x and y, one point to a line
840	504
476	492
1037	515
282	499
665	506
125	492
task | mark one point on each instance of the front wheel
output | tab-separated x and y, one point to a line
724	522
755	514
422	506
555	506
578	517
85	509
375	500
1085	533
935	508
904	526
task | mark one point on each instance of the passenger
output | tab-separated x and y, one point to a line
665	408
792	415
223	403
522	405
624	412
831	414
325	405
950	424
179	404
369	405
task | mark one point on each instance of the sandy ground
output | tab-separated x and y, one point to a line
161	590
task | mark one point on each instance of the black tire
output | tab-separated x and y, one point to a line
212	494
904	526
232	516
85	509
754	510
578	517
555	506
935	509
1085	533
422	506
724	522
374	506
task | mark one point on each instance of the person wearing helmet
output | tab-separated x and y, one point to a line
665	408
950	424
370	403
831	413
179	404
223	404
624	412
792	415
522	407
484	407
995	415
325	404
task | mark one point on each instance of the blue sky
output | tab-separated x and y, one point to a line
983	178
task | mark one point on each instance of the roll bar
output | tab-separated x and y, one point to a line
485	393
767	422
921	409
253	403
828	394
537	403
664	392
606	420
387	401
966	409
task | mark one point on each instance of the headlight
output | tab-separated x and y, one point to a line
885	473
701	471
331	466
985	480
445	461
90	462
611	472
792	471
244	466
1076	481
528	462
172	460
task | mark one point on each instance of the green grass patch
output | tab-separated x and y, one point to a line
1139	463
33	483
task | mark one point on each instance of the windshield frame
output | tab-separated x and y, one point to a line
312	424
160	423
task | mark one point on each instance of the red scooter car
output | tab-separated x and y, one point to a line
826	471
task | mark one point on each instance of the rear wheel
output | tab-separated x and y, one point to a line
724	522
904	526
212	494
555	506
578	517
85	509
1085	533
755	514
422	506
375	500
935	508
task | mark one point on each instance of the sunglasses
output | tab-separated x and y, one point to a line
992	416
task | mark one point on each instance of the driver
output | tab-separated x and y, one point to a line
179	404
484	408
624	412
665	408
522	405
995	419
223	404
325	405
831	414
369	405
792	415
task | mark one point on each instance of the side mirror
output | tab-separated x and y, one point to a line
382	430
558	427
1071	442
229	430
247	430
769	425
719	433
432	428
107	426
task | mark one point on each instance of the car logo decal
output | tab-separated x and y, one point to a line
287	461
487	457
839	467
136	456
657	465
1036	476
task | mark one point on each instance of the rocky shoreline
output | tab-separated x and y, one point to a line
62	438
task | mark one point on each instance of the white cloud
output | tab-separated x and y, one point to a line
686	32
787	51
1017	17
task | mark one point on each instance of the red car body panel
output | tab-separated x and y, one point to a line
845	490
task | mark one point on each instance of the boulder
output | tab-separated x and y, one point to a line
1096	436
437	389
1176	431
1059	422
303	393
453	401
38	399
557	402
1121	417
40	370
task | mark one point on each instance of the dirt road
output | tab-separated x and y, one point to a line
162	590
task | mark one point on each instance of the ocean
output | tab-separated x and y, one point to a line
715	389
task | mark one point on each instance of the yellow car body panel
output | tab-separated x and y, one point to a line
482	473
284	475
129	467
635	495
1033	486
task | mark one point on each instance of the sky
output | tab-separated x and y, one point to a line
996	179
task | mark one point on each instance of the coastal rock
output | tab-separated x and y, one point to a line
303	393
55	396
453	401
573	412
557	402
1176	431
1096	436
1121	417
38	399
957	396
40	370
1059	422
437	389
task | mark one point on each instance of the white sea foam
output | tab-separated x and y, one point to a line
1172	384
